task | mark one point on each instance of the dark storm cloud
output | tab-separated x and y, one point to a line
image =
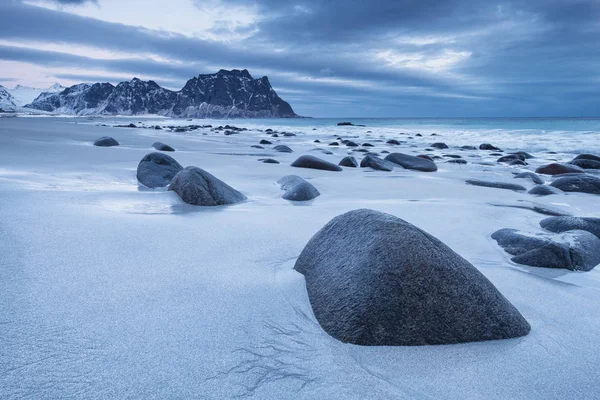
457	57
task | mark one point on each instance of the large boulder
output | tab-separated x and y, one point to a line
487	146
197	187
106	141
578	183
374	279
157	170
313	162
349	161
160	146
411	162
297	189
439	145
558	169
497	185
564	224
575	250
372	161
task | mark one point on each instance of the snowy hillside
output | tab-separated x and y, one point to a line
24	95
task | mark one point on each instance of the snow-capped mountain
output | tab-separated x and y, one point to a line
24	95
224	94
7	101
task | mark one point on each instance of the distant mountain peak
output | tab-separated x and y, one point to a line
227	93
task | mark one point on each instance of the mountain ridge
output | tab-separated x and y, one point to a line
233	93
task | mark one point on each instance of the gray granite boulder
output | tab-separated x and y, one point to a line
374	279
372	161
497	185
106	141
349	161
197	187
313	162
160	146
578	183
544	190
557	169
157	170
535	178
297	189
563	224
575	250
411	162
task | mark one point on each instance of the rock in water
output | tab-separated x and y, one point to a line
157	170
557	169
162	147
197	187
349	162
297	189
376	163
575	250
497	185
439	145
587	157
106	141
487	146
579	183
412	162
563	224
374	279
586	164
315	163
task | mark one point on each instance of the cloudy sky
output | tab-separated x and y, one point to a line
381	58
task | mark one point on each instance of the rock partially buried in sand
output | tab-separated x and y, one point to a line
282	148
564	224
269	161
579	183
575	250
297	189
106	141
411	162
349	161
544	190
157	170
197	187
497	185
160	146
374	279
530	175
372	161
313	162
558	169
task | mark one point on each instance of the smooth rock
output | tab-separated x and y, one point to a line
371	161
282	148
586	164
297	189
160	146
579	183
487	146
439	145
106	141
564	224
535	178
157	170
498	185
411	162
197	187
349	161
544	190
557	169
374	279
313	162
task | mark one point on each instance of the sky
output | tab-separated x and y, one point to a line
334	58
